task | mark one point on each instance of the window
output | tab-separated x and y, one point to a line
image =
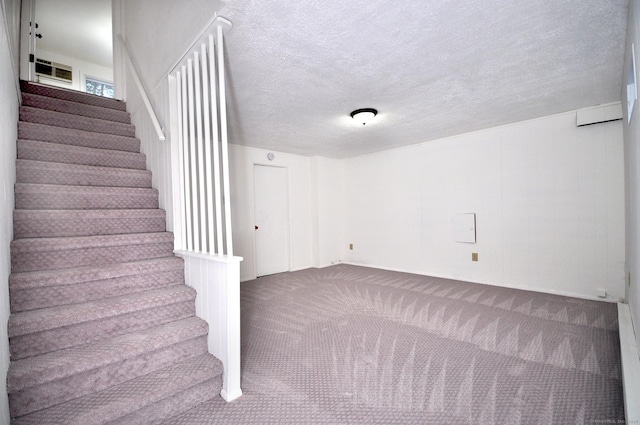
97	87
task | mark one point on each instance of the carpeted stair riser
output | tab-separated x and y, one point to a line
70	336
59	119
74	137
64	253
171	389
72	96
53	378
28	171
65	154
34	196
59	223
41	320
82	384
51	288
75	108
174	406
42	331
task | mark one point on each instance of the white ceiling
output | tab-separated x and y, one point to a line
432	68
76	28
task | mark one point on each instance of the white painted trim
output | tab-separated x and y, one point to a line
27	42
216	279
630	365
119	61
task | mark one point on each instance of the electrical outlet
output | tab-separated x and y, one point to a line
602	293
474	256
351	246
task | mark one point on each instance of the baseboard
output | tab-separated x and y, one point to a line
630	365
520	287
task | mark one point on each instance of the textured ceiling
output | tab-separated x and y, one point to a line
432	68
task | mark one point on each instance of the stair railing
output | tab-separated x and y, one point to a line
201	194
141	90
198	88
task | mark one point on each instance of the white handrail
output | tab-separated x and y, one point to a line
143	93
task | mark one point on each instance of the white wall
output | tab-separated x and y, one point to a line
8	137
153	44
632	169
80	70
548	198
328	208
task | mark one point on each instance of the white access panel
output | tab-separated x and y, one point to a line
464	227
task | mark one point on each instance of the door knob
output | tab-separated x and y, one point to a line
256	227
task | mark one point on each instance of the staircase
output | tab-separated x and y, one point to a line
102	326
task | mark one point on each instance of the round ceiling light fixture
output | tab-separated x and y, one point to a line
364	115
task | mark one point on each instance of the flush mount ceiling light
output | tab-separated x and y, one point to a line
364	115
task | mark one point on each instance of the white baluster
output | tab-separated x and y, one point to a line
224	137
185	160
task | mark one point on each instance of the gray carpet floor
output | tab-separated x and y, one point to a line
355	345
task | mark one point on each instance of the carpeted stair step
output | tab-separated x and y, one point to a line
59	119
75	137
64	223
50	288
39	382
144	400
72	95
63	253
31	196
28	171
67	154
76	108
36	332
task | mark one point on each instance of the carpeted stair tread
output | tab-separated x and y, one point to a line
36	344
75	137
68	154
65	223
72	95
49	288
29	171
141	400
38	382
60	119
76	108
39	279
30	196
59	253
176	405
56	317
41	331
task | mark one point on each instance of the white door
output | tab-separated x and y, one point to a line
28	41
271	203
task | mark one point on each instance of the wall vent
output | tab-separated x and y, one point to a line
598	114
54	70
